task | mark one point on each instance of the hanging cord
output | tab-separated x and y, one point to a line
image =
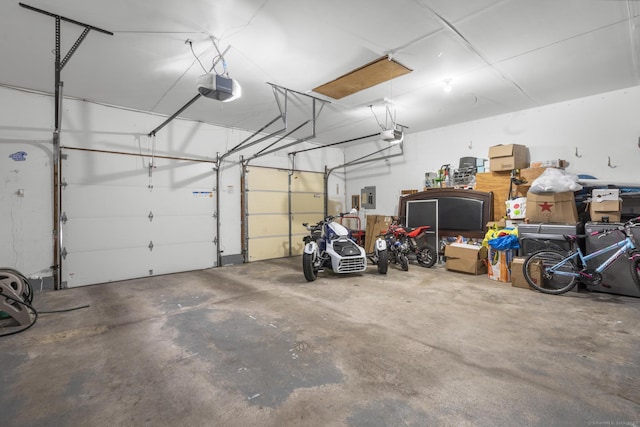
190	43
376	117
218	58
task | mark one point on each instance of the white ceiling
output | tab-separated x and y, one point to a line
501	56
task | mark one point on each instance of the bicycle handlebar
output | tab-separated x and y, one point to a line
633	222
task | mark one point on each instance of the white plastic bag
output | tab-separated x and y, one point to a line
554	180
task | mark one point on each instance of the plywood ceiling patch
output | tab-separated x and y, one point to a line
381	70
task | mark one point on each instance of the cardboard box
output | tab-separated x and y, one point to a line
375	225
499	264
555	163
507	157
600	195
517	275
466	258
605	208
559	208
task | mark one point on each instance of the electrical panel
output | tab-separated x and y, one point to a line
368	198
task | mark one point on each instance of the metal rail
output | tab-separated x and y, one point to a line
57	165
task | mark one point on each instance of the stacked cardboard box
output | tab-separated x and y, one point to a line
507	157
517	274
558	208
466	258
375	225
605	210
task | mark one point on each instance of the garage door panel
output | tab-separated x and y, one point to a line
172	258
108	169
268	179
93	234
176	174
176	202
267	202
89	201
306	202
81	269
307	182
184	229
268	248
268	225
299	219
297	245
270	198
119	207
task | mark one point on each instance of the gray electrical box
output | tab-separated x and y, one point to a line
368	198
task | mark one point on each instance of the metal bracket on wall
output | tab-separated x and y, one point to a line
150	216
64	253
150	245
59	64
64	218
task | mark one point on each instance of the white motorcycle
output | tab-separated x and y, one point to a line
330	245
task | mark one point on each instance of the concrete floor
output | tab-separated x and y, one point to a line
256	345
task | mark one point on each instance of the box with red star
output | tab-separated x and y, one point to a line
557	208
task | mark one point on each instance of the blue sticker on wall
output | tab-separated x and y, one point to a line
19	156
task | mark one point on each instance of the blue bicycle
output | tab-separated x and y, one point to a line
555	272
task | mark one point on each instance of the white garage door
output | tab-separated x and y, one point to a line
123	220
276	207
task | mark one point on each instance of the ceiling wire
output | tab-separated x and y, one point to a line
448	25
215	61
173	85
242	27
376	117
634	34
194	54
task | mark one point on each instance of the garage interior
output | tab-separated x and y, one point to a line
160	160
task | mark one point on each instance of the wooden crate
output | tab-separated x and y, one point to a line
498	183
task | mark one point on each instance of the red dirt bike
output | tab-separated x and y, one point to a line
416	241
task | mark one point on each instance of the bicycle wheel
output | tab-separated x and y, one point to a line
535	269
635	267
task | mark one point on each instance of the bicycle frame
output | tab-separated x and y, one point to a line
622	247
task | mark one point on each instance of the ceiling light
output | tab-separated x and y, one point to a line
448	87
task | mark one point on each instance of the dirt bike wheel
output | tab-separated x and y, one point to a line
383	261
427	257
404	262
310	272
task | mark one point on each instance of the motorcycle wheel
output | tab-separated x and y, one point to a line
427	257
383	261
310	272
404	262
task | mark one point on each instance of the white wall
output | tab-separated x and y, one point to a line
599	127
26	124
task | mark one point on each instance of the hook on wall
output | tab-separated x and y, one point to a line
578	155
470	145
609	163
